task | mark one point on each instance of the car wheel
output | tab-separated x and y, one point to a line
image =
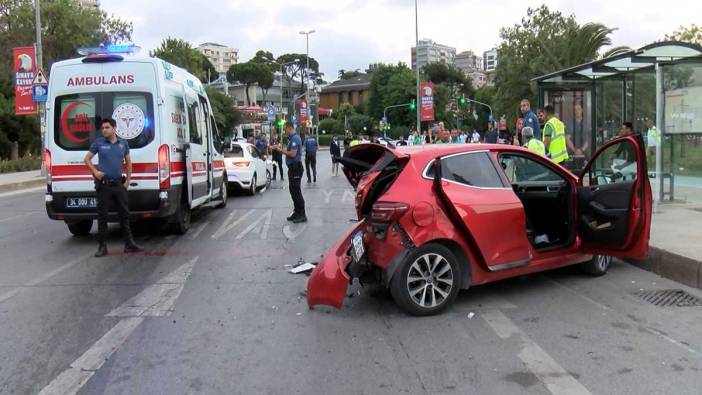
597	266
252	188
182	219
427	282
269	177
223	194
81	228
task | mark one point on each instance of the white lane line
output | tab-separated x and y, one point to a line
226	226
21	191
158	299
199	230
266	219
556	379
17	216
82	369
10	294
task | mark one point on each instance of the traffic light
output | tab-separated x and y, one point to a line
412	106
462	101
280	123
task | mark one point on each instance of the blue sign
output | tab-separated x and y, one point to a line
40	92
271	114
384	120
294	119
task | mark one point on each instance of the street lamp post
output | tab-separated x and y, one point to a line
281	82
416	62
307	69
481	103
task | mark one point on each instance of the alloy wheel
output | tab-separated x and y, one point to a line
430	280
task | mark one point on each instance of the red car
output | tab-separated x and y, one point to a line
435	219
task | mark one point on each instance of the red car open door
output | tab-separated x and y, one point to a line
615	200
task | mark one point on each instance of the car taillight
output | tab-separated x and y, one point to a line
47	165
164	167
241	164
388	211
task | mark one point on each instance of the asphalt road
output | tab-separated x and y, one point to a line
216	312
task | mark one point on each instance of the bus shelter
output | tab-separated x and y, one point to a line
661	83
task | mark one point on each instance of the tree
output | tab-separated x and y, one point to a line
226	115
347	75
331	126
250	73
182	54
297	68
544	41
392	85
358	121
691	34
265	57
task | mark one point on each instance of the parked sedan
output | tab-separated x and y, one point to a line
246	168
435	219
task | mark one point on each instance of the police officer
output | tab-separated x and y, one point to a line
293	159
110	185
311	157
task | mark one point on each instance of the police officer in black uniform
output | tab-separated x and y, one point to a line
293	159
110	185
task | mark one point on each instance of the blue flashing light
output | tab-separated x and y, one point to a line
109	49
147	122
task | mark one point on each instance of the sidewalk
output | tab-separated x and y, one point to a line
21	180
676	243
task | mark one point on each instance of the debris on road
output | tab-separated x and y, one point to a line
301	267
471	315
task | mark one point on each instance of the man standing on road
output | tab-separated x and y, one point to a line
554	136
653	137
475	138
293	159
311	157
110	185
491	134
530	119
277	157
335	152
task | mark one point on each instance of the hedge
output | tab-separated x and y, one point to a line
23	164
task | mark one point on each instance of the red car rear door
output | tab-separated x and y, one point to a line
615	200
479	204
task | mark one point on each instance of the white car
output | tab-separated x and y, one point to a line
246	168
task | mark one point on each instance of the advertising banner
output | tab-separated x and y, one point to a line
426	107
304	111
24	71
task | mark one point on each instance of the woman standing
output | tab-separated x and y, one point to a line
335	152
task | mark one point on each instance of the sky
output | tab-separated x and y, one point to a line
350	34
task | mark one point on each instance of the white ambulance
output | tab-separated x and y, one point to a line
161	110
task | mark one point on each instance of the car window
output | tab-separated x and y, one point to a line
473	168
520	168
234	152
616	163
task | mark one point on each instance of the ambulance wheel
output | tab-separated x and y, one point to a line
252	188
182	219
223	195
81	228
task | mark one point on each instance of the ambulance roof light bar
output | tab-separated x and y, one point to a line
111	49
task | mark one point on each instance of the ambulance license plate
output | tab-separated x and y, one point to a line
81	202
357	248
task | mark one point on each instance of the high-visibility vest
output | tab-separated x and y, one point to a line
654	135
354	142
557	145
537	146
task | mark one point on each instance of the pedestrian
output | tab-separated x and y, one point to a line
530	119
475	138
554	136
491	134
532	143
311	158
110	184
293	159
653	138
262	144
443	137
335	152
541	116
416	138
578	139
277	157
401	141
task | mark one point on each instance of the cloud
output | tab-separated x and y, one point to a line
351	34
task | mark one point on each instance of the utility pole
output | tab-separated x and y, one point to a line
39	66
307	85
416	62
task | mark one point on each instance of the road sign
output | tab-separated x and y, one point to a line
271	114
40	78
40	92
294	119
384	120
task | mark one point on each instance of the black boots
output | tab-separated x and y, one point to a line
102	249
129	244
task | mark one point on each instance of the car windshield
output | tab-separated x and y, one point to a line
234	152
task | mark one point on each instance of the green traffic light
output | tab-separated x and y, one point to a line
412	106
462	101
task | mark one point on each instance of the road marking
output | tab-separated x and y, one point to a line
10	294
82	369
556	379
348	194
226	226
199	230
21	191
327	196
266	218
290	235
157	300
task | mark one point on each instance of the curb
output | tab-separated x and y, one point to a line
22	185
672	266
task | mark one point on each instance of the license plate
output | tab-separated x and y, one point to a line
357	249
81	202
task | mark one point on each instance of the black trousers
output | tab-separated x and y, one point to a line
112	195
311	159
294	178
279	161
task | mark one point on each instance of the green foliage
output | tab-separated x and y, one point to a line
23	164
296	69
542	43
182	54
325	139
331	126
250	73
358	121
441	73
392	85
347	75
226	115
691	34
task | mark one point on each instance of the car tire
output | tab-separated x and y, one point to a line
597	266
81	228
182	218
223	194
433	268
252	189
269	179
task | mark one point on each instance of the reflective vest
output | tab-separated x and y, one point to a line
654	138
557	145
354	142
537	146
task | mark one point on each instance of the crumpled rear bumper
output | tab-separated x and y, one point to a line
329	280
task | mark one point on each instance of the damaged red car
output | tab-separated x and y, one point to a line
437	219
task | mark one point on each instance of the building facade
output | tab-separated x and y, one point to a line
354	91
478	78
467	62
490	60
221	56
429	52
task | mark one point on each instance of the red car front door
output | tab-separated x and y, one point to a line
483	208
615	200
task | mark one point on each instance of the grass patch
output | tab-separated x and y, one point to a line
23	164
